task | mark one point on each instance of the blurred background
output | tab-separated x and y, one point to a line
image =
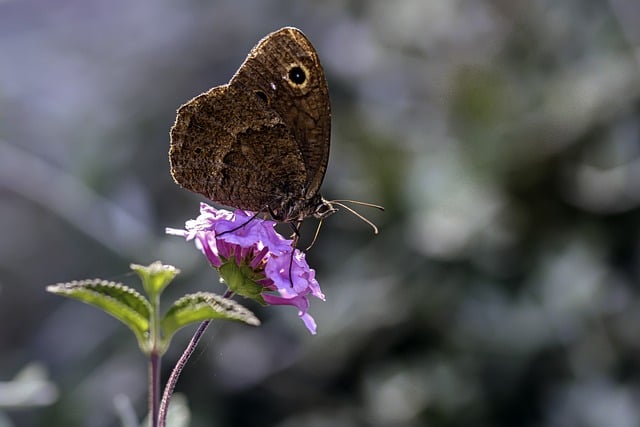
502	137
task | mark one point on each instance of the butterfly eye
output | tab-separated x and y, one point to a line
297	75
260	94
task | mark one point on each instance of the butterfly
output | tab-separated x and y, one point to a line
261	141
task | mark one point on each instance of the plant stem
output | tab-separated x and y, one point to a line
154	360
154	387
177	370
173	379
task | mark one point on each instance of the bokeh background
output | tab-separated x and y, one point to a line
502	137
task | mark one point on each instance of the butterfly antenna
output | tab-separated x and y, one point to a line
357	202
315	236
353	211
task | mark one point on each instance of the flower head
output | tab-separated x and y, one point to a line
253	259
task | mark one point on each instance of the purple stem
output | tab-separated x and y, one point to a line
177	370
173	378
154	385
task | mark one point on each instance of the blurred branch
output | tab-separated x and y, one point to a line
627	14
30	387
67	196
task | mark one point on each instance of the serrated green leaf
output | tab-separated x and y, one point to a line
116	299
155	276
203	306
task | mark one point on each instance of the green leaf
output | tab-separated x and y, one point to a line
155	276
116	299
202	306
242	280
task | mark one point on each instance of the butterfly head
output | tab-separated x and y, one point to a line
323	209
297	209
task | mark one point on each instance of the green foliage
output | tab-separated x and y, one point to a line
203	306
242	281
156	276
116	299
141	314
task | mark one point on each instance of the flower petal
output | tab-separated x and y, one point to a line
309	322
267	259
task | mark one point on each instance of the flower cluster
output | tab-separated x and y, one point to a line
253	259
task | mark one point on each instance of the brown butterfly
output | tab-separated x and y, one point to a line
261	142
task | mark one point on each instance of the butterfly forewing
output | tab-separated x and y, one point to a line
285	66
261	142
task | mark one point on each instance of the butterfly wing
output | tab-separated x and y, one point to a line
228	147
284	70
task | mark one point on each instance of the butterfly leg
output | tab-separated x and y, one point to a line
295	236
241	225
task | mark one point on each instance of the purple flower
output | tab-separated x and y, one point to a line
253	259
